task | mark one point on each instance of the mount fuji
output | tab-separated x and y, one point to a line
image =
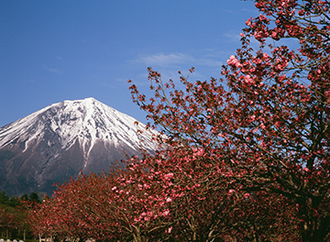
64	139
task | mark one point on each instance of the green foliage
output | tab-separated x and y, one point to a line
4	199
13	216
34	197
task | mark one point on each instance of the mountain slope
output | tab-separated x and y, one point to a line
63	140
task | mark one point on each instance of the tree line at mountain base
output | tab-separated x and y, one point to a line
13	216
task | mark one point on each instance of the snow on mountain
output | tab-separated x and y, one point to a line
65	139
86	120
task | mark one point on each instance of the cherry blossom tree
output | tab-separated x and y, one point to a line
114	206
245	157
179	193
268	118
197	192
70	213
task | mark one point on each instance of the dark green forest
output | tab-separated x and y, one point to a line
13	216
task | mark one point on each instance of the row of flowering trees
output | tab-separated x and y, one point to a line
177	195
245	157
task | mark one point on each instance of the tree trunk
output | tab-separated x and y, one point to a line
315	230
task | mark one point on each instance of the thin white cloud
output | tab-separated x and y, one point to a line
53	70
165	59
210	62
253	11
206	58
207	63
232	36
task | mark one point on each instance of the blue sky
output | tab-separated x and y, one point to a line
52	51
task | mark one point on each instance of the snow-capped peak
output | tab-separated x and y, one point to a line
86	120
